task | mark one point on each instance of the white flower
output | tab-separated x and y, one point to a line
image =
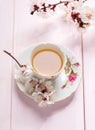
37	88
34	79
48	101
23	74
87	14
28	88
37	96
44	103
42	80
41	90
75	4
65	11
19	77
48	83
43	99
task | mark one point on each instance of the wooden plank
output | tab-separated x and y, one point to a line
6	32
89	82
67	114
88	71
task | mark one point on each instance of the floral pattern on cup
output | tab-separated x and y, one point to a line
72	76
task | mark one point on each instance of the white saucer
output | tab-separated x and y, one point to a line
64	84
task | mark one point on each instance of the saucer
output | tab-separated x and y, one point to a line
65	84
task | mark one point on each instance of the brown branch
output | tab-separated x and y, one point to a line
84	1
49	6
13	58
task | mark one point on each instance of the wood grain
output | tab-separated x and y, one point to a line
6	38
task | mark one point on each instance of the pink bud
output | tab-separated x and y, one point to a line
63	86
53	7
72	77
77	64
36	7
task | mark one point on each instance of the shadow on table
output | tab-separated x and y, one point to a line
54	32
47	111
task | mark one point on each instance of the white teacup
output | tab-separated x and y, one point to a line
47	60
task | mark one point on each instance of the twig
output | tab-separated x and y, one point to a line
84	1
49	6
13	58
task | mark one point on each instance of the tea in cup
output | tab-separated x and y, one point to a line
47	60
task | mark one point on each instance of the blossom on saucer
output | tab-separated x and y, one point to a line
48	83
46	100
40	89
37	96
30	86
23	74
44	103
43	99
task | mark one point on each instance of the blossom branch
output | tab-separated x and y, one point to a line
13	58
76	17
84	1
74	11
50	6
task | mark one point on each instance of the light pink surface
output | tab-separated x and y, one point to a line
18	30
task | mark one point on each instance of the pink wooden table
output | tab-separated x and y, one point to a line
18	29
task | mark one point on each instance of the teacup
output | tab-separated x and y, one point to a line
47	60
